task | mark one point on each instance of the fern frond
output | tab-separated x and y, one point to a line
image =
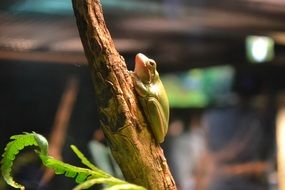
89	183
87	177
125	187
59	167
11	150
83	159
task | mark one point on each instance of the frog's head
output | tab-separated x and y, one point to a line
145	68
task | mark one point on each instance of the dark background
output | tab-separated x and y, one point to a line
40	50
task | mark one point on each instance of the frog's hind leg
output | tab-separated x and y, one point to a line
157	119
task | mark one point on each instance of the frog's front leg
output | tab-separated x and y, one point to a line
156	117
140	87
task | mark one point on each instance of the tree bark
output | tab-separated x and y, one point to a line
132	144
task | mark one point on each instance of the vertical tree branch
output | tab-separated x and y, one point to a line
133	146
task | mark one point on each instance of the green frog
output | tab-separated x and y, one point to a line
152	95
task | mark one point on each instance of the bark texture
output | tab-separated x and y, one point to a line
141	159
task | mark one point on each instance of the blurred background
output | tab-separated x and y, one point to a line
222	63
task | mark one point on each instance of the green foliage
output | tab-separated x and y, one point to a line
86	177
11	150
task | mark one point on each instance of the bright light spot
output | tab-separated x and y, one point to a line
259	49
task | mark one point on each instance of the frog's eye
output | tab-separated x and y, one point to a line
152	63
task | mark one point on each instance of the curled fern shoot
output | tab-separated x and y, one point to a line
86	177
11	150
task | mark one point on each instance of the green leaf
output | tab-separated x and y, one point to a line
125	187
84	176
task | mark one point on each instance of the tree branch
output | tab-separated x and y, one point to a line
133	146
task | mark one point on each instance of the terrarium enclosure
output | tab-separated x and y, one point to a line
221	62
